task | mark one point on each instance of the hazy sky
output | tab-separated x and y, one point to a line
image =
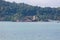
44	3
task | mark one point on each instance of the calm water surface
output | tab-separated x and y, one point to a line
29	31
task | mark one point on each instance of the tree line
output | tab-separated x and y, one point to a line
17	11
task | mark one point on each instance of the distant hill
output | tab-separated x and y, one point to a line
24	12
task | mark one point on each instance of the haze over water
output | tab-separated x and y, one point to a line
29	31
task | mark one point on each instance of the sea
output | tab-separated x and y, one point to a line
29	31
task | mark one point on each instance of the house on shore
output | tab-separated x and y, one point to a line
29	19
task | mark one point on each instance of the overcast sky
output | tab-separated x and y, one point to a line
43	3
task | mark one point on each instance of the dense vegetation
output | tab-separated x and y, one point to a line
18	11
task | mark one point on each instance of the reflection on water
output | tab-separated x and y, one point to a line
31	31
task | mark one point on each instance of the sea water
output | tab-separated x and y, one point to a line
29	31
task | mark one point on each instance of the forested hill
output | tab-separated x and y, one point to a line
24	12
